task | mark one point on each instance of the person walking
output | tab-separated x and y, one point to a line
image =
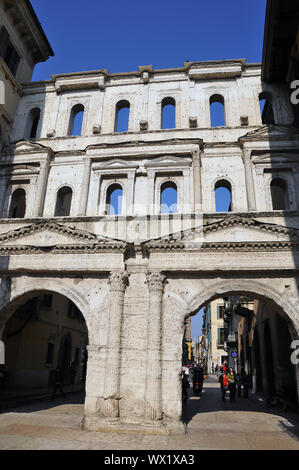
243	382
58	383
223	384
185	386
231	378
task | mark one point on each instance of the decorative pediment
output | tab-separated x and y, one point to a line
276	159
114	164
234	230
168	161
24	147
51	235
270	131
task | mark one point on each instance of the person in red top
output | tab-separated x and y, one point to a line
223	383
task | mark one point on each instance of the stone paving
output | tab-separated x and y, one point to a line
211	424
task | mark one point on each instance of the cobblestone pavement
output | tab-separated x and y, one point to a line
211	424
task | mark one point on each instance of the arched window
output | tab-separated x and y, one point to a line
223	196
266	108
217	113
169	198
32	124
18	204
63	202
168	113
122	114
76	120
114	199
279	194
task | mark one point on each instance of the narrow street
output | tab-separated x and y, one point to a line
211	424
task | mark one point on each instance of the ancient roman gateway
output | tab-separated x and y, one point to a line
137	275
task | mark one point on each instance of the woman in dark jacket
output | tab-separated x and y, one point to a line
232	386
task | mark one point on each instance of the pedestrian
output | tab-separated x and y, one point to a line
58	383
223	384
231	378
243	382
224	367
185	386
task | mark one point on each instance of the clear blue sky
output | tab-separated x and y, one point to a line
119	35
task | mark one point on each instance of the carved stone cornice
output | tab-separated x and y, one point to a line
155	281
62	249
52	227
251	223
118	281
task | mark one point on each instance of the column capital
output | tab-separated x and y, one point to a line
118	280
246	153
155	281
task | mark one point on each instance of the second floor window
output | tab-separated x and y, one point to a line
169	198
223	202
18	204
114	200
279	194
63	202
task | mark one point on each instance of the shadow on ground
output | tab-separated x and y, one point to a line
45	403
210	401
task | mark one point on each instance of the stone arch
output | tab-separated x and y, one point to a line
178	306
256	289
27	288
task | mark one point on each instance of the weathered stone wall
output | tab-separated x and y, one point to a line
137	276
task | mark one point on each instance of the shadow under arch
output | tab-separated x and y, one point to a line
25	290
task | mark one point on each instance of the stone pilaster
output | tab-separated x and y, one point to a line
197	195
117	282
249	180
41	188
85	187
153	392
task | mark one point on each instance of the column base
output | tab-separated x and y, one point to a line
115	425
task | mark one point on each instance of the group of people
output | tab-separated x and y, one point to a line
231	382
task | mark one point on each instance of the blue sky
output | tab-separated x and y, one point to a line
120	36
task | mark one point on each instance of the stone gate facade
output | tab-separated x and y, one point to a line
137	275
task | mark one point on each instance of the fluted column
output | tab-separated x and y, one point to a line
249	180
85	187
41	188
153	393
117	282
